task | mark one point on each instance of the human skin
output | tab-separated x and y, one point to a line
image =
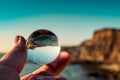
12	63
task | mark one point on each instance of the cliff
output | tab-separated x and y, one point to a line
103	47
102	50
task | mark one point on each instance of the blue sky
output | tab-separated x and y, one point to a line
72	20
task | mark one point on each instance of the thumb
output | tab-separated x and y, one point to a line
16	57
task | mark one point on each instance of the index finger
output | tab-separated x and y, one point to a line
55	67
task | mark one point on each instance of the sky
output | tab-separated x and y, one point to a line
73	21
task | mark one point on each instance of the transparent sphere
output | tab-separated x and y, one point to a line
43	46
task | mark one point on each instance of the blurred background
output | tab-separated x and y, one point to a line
73	21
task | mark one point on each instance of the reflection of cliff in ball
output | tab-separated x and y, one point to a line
41	38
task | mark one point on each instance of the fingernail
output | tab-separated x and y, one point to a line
16	39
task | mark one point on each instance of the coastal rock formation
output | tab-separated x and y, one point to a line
103	49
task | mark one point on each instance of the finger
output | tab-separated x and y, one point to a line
16	57
55	67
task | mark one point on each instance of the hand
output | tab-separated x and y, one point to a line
12	63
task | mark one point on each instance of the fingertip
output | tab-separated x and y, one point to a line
65	55
20	42
16	39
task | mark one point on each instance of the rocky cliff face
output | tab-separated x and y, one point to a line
102	48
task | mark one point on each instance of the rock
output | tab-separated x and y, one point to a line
103	48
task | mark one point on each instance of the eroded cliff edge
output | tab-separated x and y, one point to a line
102	51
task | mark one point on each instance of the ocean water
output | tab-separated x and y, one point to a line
71	72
